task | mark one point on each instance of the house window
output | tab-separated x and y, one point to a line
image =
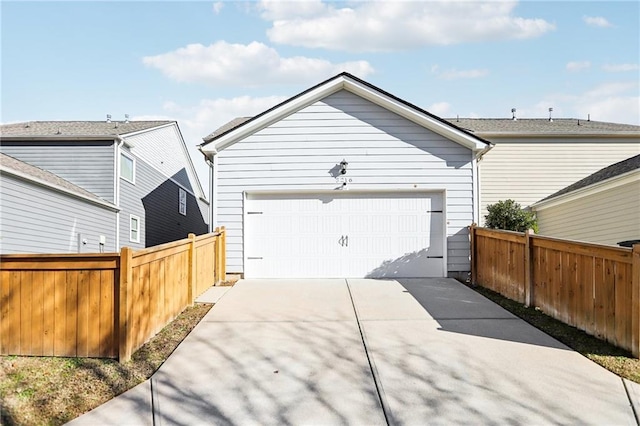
127	167
134	229
183	202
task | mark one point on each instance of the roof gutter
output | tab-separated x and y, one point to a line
93	138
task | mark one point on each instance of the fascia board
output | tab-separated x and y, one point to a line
273	116
414	116
623	179
355	87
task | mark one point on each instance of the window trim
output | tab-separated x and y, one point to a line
182	195
137	219
133	166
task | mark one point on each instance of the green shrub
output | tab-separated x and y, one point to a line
510	216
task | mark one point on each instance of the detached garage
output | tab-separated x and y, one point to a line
344	181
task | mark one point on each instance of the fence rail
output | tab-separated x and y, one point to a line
102	305
593	287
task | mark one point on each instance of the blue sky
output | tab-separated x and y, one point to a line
204	63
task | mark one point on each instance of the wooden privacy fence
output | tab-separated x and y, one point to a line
592	287
102	305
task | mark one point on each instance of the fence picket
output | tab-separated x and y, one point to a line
100	305
590	286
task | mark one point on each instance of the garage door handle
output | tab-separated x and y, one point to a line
341	240
347	241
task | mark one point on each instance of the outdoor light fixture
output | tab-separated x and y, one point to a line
343	167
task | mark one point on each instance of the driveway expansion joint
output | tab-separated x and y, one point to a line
386	409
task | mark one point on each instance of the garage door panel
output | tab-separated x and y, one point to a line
344	235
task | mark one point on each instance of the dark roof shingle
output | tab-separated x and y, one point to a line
608	172
542	126
76	128
226	127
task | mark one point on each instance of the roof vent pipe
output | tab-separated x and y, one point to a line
513	114
550	118
108	118
588	117
126	118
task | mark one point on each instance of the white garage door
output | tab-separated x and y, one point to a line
344	235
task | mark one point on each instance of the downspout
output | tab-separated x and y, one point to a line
116	189
477	197
211	159
210	164
476	189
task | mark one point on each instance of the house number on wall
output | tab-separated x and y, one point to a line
342	179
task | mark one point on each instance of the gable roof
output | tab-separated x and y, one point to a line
40	176
542	127
76	129
238	129
612	171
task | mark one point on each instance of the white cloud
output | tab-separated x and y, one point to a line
596	21
253	64
617	109
454	74
441	109
386	26
578	66
217	7
617	102
620	67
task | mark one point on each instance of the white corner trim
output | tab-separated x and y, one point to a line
605	185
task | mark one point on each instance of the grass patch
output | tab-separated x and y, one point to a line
53	391
614	359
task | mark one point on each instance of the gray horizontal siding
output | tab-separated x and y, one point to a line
35	219
163	149
155	200
385	152
86	164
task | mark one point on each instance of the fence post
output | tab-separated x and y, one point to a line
191	280
635	300
528	279
223	254
474	258
216	257
124	310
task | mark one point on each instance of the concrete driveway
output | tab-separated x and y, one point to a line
356	351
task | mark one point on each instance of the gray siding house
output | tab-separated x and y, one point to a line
55	216
345	180
141	169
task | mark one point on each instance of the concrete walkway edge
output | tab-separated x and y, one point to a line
633	392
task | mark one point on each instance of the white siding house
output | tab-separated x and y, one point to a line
534	158
603	208
344	180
